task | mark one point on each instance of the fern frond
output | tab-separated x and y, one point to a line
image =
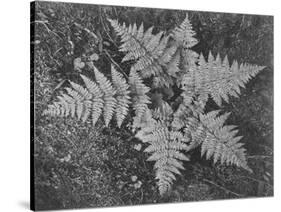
140	98
184	34
82	97
216	140
75	102
217	78
58	109
173	65
143	121
97	101
196	130
122	92
165	152
148	50
163	112
184	38
165	146
103	97
108	95
180	116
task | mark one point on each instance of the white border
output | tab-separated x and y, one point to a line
14	111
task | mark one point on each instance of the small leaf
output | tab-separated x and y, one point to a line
138	147
78	64
138	184
134	178
106	43
94	57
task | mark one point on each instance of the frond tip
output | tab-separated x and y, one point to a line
184	34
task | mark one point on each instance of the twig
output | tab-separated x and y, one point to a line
57	51
40	21
111	59
107	33
223	188
47	28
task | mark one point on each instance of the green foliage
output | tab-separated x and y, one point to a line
168	129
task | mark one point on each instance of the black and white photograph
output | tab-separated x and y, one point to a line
133	106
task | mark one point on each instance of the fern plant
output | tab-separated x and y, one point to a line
170	129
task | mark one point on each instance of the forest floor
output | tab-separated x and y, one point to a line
80	166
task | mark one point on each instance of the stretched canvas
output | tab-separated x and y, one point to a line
134	106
